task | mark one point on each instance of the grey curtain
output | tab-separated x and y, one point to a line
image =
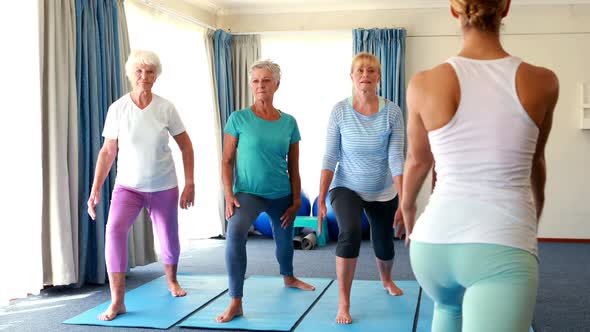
59	142
245	50
209	37
230	58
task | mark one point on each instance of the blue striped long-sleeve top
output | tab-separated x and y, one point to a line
364	151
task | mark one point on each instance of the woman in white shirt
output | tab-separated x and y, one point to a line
137	129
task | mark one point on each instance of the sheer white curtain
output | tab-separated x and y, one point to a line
315	75
186	82
20	142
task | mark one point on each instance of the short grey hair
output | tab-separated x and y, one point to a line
268	65
139	57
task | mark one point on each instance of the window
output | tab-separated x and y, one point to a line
315	76
22	181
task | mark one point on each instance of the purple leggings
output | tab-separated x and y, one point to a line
126	203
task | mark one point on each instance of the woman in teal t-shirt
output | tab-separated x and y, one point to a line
261	148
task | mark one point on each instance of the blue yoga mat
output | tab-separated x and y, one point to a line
371	307
268	306
425	316
151	304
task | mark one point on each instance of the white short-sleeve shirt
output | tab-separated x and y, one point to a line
144	159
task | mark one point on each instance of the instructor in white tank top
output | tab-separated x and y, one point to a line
484	116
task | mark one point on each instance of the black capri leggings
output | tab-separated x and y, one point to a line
348	206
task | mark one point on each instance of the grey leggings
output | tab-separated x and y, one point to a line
237	234
348	206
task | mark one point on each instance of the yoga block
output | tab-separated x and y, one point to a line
312	222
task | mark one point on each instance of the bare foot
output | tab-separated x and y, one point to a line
392	288
293	282
112	312
343	315
233	310
175	289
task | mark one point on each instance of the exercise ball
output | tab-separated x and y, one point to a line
331	219
262	224
305	209
365	226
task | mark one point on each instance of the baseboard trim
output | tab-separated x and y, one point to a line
550	239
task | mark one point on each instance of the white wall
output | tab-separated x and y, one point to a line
183	10
557	37
418	22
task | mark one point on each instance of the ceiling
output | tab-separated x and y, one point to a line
231	7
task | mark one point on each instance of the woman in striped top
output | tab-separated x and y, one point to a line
362	169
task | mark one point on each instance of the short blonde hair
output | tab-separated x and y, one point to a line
367	59
484	15
269	65
139	57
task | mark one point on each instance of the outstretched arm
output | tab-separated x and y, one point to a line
331	159
106	156
419	159
539	166
396	161
187	198
230	145
325	181
293	168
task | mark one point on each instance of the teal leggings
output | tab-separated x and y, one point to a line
477	287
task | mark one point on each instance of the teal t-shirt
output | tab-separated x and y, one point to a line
263	147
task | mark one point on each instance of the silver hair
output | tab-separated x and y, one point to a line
268	65
139	57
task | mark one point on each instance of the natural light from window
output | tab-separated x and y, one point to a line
22	183
315	76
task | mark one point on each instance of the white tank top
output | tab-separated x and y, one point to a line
483	159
